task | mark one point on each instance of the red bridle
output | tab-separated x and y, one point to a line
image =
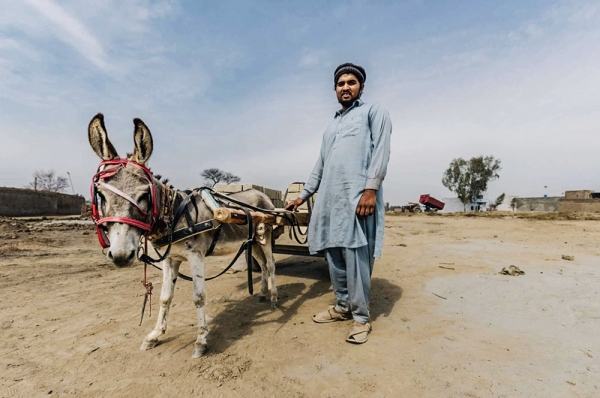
107	169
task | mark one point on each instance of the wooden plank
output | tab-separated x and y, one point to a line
294	250
235	216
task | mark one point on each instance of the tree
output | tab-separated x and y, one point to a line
499	200
230	178
457	178
48	181
514	203
214	176
470	179
483	170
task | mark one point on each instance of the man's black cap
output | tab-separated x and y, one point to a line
349	67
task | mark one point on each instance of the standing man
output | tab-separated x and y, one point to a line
347	220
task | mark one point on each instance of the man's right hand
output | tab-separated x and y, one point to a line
293	205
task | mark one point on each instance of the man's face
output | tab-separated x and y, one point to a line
348	89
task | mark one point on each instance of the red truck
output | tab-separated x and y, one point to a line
431	203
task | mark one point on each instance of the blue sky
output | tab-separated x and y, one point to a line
247	87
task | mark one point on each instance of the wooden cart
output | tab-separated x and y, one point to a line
286	243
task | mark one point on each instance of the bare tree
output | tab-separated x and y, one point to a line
230	178
214	176
48	181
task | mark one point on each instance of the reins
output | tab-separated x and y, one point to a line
156	222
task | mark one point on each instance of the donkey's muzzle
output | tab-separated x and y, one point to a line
122	259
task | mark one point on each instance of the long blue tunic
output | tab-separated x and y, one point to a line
354	155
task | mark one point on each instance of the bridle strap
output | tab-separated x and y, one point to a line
123	195
107	169
124	220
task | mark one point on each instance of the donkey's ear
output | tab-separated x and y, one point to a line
143	142
99	139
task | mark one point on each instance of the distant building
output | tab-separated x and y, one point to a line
454	205
581	201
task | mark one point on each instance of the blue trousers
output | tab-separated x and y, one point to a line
350	270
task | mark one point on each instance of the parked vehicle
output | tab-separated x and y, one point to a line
411	208
431	203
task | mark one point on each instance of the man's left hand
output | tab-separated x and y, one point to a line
366	204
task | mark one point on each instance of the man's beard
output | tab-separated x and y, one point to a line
349	103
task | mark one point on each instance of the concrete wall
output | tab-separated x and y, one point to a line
15	202
583	205
537	204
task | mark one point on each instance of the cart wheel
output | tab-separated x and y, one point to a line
417	210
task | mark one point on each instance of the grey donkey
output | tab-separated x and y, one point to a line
125	238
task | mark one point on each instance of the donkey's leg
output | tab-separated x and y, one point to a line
170	269
267	249
198	267
259	256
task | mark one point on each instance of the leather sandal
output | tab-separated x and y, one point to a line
331	315
359	333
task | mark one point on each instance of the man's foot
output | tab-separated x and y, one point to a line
331	315
359	333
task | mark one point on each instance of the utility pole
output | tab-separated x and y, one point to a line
72	189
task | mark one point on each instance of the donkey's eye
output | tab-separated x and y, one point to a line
101	200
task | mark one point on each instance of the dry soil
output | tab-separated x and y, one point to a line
445	322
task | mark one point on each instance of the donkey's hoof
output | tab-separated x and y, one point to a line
262	299
199	351
148	345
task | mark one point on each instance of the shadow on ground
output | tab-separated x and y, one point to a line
239	317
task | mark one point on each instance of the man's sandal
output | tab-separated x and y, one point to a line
359	333
331	315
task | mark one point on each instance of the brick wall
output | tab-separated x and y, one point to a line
537	204
15	202
583	194
583	205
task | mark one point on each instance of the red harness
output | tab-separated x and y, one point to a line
107	169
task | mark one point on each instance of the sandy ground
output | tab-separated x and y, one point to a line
69	319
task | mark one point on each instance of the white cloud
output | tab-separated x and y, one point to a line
526	97
71	31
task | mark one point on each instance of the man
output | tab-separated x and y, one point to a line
347	219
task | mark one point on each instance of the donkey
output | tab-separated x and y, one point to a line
130	192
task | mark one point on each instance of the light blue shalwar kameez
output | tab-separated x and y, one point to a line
354	155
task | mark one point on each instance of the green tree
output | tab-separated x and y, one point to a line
482	170
457	178
500	200
470	179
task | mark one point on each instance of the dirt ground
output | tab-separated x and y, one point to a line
445	322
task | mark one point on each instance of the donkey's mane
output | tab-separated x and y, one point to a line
160	178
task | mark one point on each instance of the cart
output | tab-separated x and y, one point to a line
292	241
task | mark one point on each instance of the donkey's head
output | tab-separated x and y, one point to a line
123	192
